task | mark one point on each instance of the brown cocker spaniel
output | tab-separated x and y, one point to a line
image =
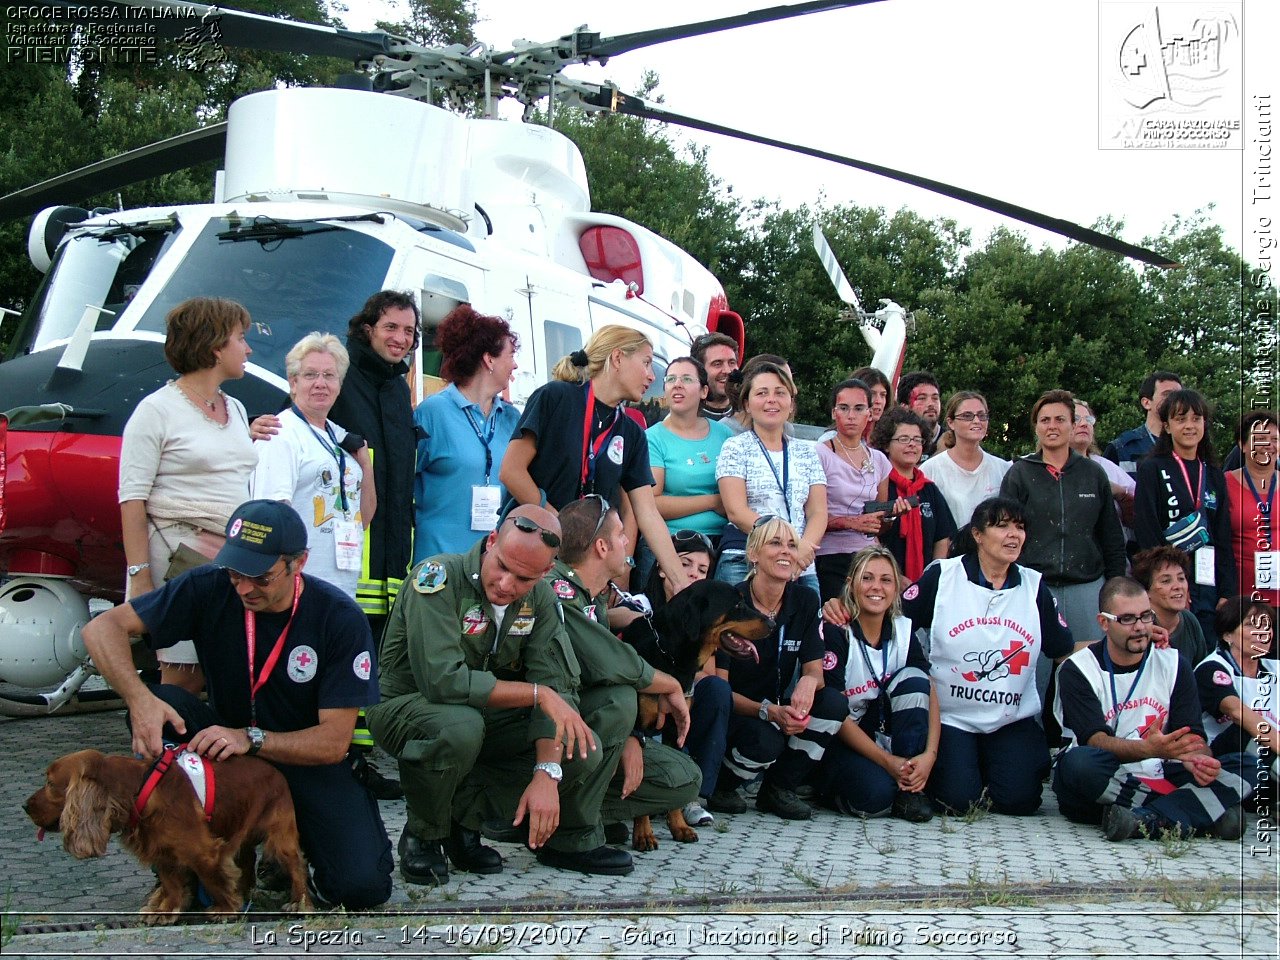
89	795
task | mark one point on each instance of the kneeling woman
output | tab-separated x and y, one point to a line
885	751
783	717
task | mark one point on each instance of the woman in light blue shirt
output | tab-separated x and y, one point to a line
683	448
465	429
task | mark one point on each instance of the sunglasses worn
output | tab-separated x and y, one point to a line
683	538
525	525
237	578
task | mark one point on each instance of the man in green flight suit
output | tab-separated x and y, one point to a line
650	777
478	682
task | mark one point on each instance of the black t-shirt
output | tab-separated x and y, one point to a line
796	640
327	661
936	523
1082	711
554	415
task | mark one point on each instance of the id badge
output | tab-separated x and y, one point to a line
486	501
884	741
1266	576
347	543
1204	566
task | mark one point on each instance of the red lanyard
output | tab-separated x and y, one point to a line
1187	479
589	450
251	641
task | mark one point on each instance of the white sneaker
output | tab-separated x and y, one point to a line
696	815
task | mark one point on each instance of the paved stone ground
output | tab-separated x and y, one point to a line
754	886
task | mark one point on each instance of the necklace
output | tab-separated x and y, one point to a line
770	612
866	466
211	404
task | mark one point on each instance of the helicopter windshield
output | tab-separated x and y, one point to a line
290	282
100	268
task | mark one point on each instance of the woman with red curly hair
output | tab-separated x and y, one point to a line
466	427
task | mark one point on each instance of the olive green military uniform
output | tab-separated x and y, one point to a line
612	672
442	654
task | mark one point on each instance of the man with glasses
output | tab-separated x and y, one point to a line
1137	761
718	353
647	777
288	662
479	689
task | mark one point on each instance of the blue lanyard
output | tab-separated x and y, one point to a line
1263	508
334	451
485	438
1111	675
783	482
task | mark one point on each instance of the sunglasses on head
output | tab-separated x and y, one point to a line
604	512
687	541
762	520
526	525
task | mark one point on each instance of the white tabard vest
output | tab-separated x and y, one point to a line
1147	707
1261	694
984	648
860	687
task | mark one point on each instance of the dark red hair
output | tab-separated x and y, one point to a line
464	337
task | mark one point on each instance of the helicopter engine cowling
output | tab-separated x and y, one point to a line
40	624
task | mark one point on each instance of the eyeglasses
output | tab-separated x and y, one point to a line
1087	418
237	578
311	376
684	379
604	512
969	417
525	525
844	409
909	441
1129	619
682	538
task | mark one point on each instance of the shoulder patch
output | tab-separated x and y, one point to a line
1221	678
1062	622
431	577
911	592
564	589
362	666
828	661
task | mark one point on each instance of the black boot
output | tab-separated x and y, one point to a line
468	854
604	860
382	788
422	861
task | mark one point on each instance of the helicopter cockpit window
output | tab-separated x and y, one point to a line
101	268
294	279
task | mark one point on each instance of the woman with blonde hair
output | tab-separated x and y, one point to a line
885	751
574	437
317	467
762	472
186	459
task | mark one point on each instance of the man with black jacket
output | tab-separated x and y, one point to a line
376	403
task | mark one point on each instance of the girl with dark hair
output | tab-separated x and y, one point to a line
856	474
920	533
464	433
1255	517
879	388
1181	500
988	620
1239	687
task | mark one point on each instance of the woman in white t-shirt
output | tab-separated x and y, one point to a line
763	473
310	465
964	472
186	459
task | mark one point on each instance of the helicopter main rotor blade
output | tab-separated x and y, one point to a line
153	160
619	102
626	42
172	19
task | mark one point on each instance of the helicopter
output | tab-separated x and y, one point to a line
300	231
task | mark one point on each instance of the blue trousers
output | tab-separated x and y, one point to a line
755	746
709	728
1088	778
1009	764
338	819
859	786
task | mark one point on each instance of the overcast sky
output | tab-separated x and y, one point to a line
999	96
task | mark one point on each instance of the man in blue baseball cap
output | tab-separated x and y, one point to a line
289	661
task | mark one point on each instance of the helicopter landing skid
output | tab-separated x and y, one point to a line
83	691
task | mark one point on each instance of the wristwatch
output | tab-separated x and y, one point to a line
551	769
136	568
257	737
764	708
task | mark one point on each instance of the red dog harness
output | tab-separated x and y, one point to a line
185	762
